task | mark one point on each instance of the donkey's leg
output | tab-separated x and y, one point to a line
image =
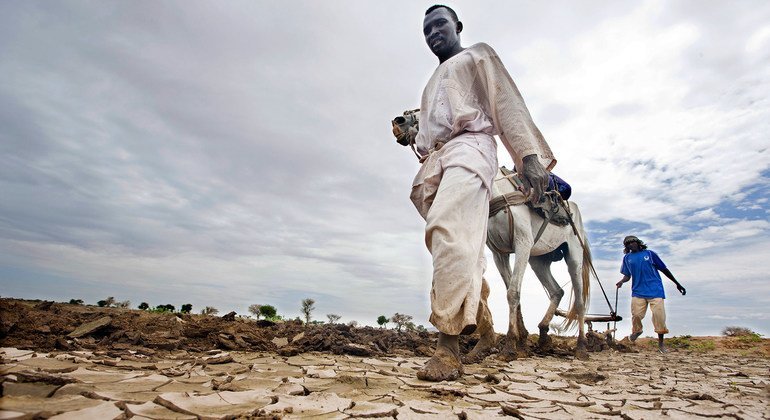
575	267
503	263
513	346
541	265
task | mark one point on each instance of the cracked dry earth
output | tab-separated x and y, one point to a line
217	384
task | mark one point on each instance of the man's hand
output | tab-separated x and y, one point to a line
681	289
619	284
535	177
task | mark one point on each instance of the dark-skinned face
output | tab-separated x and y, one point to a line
633	246
442	34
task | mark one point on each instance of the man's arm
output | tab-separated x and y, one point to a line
668	274
623	280
518	133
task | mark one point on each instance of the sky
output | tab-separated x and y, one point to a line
231	153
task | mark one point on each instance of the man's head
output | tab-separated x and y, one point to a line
441	29
632	244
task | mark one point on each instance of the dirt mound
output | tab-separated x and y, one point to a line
45	326
49	326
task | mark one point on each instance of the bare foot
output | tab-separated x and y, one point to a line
445	364
634	336
482	349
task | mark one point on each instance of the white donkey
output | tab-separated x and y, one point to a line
514	230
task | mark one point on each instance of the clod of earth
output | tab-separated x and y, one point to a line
90	328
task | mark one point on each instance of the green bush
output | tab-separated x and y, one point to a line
750	338
705	345
680	342
163	309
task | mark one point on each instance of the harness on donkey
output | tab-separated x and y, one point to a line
553	209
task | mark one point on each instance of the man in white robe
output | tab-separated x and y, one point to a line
469	99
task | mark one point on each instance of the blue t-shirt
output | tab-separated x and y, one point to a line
643	268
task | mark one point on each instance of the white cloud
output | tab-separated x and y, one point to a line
759	42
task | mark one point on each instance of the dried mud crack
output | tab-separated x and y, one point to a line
158	366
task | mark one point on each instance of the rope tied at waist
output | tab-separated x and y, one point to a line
436	148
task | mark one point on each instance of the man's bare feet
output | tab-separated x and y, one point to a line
634	336
483	347
445	364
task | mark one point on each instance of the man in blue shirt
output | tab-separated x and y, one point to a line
641	266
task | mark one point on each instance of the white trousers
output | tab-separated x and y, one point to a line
455	234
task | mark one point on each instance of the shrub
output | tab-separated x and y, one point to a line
705	345
269	312
209	310
76	301
679	342
737	331
686	342
186	308
750	338
163	308
144	306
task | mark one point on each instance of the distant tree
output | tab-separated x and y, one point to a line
308	305
400	320
101	303
144	306
209	310
254	309
186	308
382	320
123	304
76	301
109	301
353	324
268	311
167	307
333	318
421	328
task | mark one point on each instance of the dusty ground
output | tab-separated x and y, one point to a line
159	366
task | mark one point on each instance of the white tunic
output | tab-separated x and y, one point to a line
469	99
